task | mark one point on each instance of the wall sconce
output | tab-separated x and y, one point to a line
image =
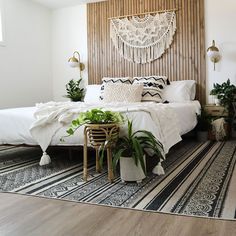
213	53
75	62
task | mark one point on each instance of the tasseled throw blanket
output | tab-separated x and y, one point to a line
52	116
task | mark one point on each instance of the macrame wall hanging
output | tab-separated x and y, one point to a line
143	40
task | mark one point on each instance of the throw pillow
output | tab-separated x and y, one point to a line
152	87
122	93
118	80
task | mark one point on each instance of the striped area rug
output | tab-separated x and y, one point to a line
200	180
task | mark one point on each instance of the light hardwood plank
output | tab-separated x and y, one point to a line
26	215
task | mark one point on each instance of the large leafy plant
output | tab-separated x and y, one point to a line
74	92
226	93
135	145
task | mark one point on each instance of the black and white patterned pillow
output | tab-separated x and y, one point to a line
152	87
117	80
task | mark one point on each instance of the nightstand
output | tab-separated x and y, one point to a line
216	111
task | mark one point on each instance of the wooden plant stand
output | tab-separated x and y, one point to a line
100	135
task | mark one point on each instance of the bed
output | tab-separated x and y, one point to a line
46	124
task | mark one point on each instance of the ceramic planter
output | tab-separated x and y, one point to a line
129	171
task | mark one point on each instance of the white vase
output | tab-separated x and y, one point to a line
217	101
129	171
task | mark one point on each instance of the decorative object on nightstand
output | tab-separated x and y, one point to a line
225	92
213	53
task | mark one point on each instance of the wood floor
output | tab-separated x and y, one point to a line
26	215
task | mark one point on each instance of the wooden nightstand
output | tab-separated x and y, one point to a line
216	111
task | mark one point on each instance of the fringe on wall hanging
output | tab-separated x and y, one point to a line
143	40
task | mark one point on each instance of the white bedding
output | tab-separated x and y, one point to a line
15	123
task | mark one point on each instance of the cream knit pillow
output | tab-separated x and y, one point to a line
114	80
122	93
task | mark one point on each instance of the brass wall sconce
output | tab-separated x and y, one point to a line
74	61
213	53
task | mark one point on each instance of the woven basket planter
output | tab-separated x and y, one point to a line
99	134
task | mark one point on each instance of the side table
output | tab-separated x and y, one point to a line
216	111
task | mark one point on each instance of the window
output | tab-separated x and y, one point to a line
2	39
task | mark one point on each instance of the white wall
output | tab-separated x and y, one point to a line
69	34
25	61
220	17
33	64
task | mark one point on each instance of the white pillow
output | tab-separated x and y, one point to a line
152	87
180	91
122	93
92	94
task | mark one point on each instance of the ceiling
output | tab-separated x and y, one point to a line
53	4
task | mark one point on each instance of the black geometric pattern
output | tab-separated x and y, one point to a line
152	87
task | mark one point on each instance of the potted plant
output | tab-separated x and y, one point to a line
101	129
74	92
96	119
203	125
131	150
226	93
95	116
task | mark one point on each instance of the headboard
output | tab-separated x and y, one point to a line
185	59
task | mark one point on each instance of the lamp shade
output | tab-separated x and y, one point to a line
73	62
214	56
213	53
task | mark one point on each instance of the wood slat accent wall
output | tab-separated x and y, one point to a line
185	59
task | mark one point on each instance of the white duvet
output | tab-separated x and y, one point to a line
45	124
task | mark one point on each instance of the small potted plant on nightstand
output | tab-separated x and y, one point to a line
203	126
226	93
131	150
74	92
